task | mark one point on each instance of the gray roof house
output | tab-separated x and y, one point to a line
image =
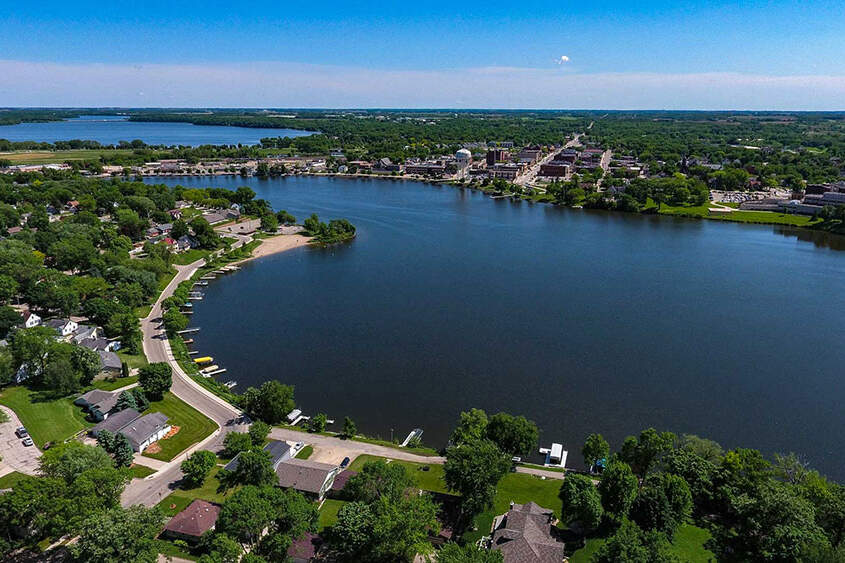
97	402
309	477
279	451
109	361
524	535
143	431
115	422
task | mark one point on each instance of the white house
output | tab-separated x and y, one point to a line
30	319
65	327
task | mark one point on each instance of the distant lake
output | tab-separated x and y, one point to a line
582	321
111	129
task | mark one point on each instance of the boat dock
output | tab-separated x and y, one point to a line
555	456
188	341
415	433
188	331
230	384
201	283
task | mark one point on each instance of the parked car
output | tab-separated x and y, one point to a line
344	463
21	432
27	441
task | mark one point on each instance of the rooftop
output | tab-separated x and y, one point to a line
524	536
199	517
303	475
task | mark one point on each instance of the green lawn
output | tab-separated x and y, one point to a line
688	545
328	513
761	217
132	360
183	497
142	311
193	426
53	420
192	255
10	480
305	452
111	385
519	488
427	480
57	157
141	471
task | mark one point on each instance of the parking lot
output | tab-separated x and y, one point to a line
16	456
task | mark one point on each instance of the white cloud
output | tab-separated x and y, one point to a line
563	59
263	84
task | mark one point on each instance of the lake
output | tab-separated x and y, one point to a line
111	129
582	321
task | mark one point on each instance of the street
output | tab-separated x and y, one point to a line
16	456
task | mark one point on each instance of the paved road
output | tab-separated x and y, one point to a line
151	490
16	456
530	175
363	448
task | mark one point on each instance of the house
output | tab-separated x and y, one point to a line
84	332
100	344
98	403
214	217
153	232
233	213
143	431
65	327
30	319
190	524
186	242
308	477
305	548
175	214
110	364
524	535
115	422
341	480
279	452
164	228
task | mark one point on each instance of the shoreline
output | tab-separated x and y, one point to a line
276	244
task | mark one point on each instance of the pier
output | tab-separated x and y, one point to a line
415	433
188	331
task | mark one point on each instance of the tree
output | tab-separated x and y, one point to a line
629	544
472	426
60	378
68	460
349	428
258	432
664	503
179	229
702	447
206	237
130	224
255	467
246	513
378	479
174	321
222	549
642	453
8	319
270	403
74	253
127	327
126	400
581	501
235	443
454	553
122	453
353	530
317	423
595	449
269	222
120	535
30	346
401	528
618	489
86	363
473	470
141	402
698	473
155	379
515	435
285	218
197	467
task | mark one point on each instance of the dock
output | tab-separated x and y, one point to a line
208	278
195	297
201	283
188	331
230	384
188	341
210	369
193	353
415	433
555	456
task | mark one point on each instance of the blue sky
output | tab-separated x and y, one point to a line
651	53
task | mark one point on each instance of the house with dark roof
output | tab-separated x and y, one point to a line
110	364
64	327
311	478
279	451
340	481
190	524
525	535
98	403
305	548
115	422
143	431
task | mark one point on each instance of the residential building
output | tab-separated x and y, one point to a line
30	319
64	327
279	452
110	364
190	524
115	422
98	403
143	431
525	535
311	478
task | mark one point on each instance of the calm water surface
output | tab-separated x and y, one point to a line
582	321
111	129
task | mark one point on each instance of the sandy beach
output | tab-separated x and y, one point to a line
276	244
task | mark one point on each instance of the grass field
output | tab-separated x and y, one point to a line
427	480
519	488
688	545
193	426
141	471
328	513
189	256
132	360
305	452
759	217
52	157
9	480
53	420
183	497
111	385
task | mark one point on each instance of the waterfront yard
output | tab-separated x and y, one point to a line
193	426
134	361
430	479
758	217
112	384
688	545
47	420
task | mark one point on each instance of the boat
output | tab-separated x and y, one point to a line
230	384
204	360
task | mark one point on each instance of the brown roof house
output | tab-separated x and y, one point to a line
309	477
524	535
190	524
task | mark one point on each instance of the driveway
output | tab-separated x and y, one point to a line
16	456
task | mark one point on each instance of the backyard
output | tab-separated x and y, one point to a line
193	426
47	420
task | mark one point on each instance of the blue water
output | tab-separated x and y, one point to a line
582	321
111	129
